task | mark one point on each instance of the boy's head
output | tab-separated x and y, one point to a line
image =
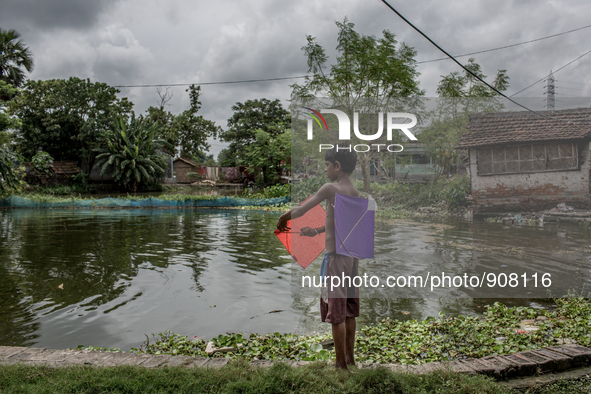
345	155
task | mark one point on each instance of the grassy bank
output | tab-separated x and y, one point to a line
237	377
241	377
395	200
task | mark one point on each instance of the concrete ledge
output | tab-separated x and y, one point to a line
553	359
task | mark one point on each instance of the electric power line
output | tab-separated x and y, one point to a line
540	80
209	83
474	75
506	46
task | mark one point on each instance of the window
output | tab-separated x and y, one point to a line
420	159
528	158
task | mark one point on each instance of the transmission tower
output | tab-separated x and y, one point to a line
550	92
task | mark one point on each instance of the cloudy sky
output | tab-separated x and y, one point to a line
133	42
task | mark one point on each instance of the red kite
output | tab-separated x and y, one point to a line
304	250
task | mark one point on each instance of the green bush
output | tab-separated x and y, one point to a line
453	192
276	191
42	162
11	176
60	190
306	188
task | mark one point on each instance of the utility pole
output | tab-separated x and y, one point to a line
550	106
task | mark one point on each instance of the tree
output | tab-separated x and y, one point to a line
7	123
460	95
370	73
14	56
458	85
131	155
66	118
269	153
209	161
225	158
248	118
188	131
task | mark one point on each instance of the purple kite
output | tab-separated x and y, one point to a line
354	226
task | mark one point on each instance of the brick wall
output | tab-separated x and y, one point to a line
531	191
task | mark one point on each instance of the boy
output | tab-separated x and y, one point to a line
342	306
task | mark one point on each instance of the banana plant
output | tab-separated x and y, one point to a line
131	155
8	178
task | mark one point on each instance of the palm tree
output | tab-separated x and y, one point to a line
14	55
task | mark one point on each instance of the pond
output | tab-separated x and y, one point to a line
107	277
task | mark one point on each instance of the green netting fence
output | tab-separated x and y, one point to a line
109	202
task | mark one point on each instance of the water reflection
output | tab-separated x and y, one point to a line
203	272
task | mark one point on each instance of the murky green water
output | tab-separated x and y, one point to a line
204	272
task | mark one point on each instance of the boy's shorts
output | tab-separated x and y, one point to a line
343	301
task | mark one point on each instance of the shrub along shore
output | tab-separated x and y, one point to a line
445	196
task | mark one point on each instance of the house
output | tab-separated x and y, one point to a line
413	164
525	161
182	167
61	173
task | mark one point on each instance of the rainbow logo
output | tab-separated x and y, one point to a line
317	117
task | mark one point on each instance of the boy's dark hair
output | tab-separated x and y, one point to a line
345	155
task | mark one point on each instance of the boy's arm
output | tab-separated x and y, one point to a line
312	232
296	212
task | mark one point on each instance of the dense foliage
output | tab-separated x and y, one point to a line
7	122
187	131
66	118
307	187
269	192
248	119
8	177
132	154
42	162
452	192
269	155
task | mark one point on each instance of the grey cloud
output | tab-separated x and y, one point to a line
180	41
52	14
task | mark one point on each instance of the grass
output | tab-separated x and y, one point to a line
450	192
577	386
395	200
237	377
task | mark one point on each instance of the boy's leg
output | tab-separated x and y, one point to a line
350	327
339	336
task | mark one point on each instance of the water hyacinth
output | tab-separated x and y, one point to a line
439	338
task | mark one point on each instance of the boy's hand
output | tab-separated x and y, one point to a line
308	232
282	222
